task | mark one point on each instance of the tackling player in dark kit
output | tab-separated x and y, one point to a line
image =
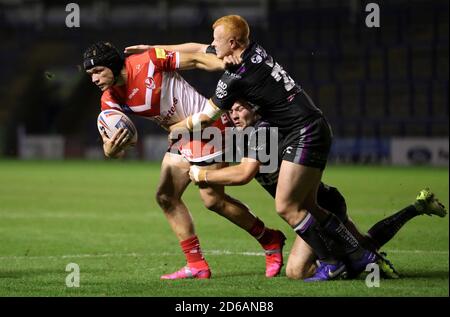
302	259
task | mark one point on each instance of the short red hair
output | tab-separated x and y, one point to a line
236	26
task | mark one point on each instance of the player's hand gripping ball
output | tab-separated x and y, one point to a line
109	121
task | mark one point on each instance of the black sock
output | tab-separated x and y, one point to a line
386	229
309	230
340	234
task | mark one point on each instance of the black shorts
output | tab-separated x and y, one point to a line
309	145
332	200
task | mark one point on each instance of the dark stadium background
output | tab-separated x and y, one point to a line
372	83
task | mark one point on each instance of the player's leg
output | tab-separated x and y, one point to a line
296	203
304	156
173	181
384	230
331	199
215	199
301	263
312	235
296	194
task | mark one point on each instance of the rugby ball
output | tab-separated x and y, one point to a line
109	121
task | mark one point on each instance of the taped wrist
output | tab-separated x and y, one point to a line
199	174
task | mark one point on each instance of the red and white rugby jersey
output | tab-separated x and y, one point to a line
154	89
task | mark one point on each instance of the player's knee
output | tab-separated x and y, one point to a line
291	273
282	209
288	211
165	201
213	203
296	273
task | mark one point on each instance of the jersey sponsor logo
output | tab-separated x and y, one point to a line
221	90
233	75
133	93
160	53
288	150
256	59
260	51
165	116
150	83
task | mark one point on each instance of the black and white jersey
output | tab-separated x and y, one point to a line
258	148
256	145
262	82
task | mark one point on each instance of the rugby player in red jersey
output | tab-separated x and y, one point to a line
148	85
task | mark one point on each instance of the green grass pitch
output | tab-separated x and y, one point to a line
103	217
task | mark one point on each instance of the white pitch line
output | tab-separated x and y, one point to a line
68	215
208	252
418	251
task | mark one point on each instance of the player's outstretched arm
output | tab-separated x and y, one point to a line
182	48
229	176
208	62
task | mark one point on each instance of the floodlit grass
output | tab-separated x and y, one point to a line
103	217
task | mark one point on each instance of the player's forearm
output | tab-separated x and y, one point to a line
185	47
229	176
197	121
208	62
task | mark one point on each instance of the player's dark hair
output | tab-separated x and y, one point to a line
103	54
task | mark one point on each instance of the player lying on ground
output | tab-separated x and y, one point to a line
305	133
148	85
302	259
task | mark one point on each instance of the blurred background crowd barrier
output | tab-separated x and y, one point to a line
384	89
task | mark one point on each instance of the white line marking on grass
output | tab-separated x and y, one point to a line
208	252
227	252
419	251
66	256
71	215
